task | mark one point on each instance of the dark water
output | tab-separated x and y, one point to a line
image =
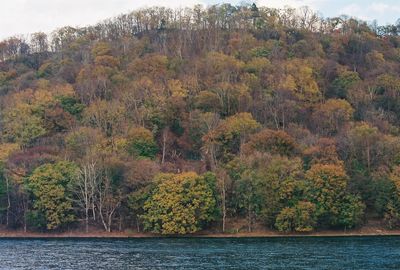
256	253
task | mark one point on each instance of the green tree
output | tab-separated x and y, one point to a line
21	125
334	206
392	211
263	185
50	184
342	84
140	143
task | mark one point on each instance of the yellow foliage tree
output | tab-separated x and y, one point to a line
181	203
300	80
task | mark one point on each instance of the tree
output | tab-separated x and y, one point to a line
219	67
181	203
334	206
323	152
232	132
57	120
71	105
300	81
5	186
20	164
208	101
387	89
84	188
36	113
300	218
136	202
364	137
258	96
281	185
225	99
271	141
279	106
263	185
140	143
248	199
342	84
255	13
331	116
203	124
107	116
151	66
109	189
22	126
85	142
392	209
50	185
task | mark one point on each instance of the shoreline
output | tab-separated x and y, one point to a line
130	235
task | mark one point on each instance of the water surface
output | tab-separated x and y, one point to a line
367	253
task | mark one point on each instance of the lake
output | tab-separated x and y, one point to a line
202	253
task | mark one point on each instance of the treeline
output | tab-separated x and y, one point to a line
175	121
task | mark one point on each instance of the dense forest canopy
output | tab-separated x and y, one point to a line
175	121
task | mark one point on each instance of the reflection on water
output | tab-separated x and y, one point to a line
184	253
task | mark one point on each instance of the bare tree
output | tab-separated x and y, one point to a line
107	201
85	192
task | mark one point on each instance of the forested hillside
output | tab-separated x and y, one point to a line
175	121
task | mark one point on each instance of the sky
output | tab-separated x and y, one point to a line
29	16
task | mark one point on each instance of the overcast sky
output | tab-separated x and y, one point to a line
28	16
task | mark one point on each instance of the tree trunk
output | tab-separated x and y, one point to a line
249	217
106	228
109	222
164	147
25	227
120	223
137	224
86	194
223	207
8	201
25	207
87	219
368	156
213	158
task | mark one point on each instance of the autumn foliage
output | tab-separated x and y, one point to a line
176	121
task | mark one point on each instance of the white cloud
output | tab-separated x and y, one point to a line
314	4
27	16
354	10
371	11
385	11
